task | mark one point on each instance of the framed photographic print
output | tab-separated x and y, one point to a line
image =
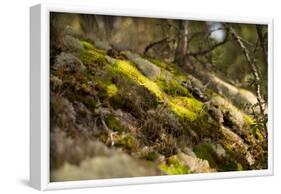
133	97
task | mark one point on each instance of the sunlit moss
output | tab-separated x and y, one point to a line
90	54
126	141
174	167
89	46
172	87
133	73
111	90
249	120
190	103
255	130
86	44
257	133
186	108
183	112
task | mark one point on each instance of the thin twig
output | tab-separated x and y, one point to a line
261	41
109	131
154	44
206	51
193	35
255	73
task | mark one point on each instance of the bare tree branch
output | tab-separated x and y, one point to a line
255	73
148	47
193	35
210	49
261	41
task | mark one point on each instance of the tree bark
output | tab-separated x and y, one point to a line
182	46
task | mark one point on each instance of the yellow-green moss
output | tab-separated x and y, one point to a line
133	73
89	46
186	108
190	103
172	87
174	167
111	90
183	112
249	120
256	132
126	141
90	54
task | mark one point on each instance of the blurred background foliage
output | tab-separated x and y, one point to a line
160	38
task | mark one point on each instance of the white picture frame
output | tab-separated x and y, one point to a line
39	97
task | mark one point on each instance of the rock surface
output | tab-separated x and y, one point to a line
127	115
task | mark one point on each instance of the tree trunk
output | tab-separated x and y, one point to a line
182	45
89	25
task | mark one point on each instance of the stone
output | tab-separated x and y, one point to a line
196	165
118	165
149	69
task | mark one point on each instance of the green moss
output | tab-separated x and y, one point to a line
89	46
111	90
113	123
183	112
190	103
186	108
255	131
206	152
249	120
158	62
151	156
239	167
91	56
174	167
126	141
133	73
172	87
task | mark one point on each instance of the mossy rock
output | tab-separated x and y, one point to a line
145	66
172	87
91	56
129	70
187	109
171	68
205	151
174	166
